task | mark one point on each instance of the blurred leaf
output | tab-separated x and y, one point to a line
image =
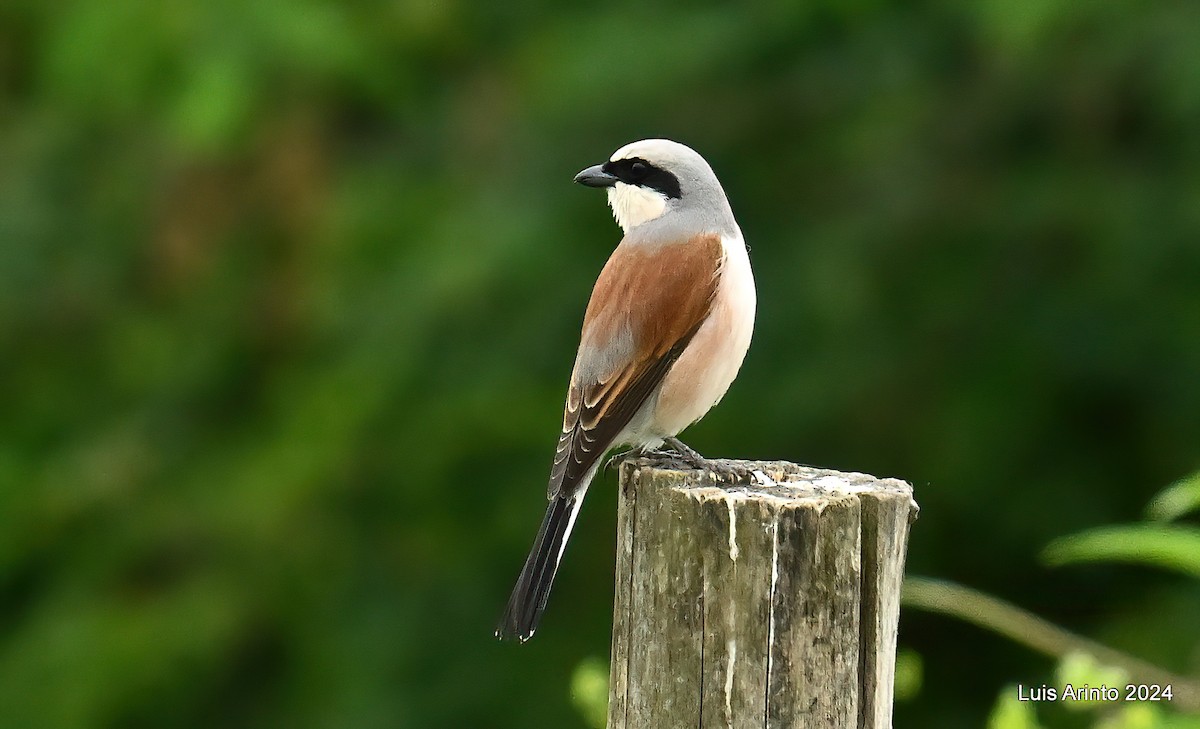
1172	547
1179	722
1133	716
1080	669
1012	713
1176	500
214	103
910	673
589	691
1021	25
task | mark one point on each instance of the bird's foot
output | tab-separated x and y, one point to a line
682	454
685	453
734	474
675	450
722	469
621	457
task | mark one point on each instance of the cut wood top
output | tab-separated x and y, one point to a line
767	480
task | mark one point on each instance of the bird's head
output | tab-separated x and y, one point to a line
653	177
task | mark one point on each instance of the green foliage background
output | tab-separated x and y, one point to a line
289	293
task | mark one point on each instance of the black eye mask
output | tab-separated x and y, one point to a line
637	171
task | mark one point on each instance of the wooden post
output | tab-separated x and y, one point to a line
771	601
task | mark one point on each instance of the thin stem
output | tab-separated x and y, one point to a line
1022	626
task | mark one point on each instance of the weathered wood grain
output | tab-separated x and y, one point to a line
771	601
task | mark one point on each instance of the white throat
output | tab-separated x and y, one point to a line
633	205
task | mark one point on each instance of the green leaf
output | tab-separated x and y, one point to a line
1082	669
1135	716
1012	713
1179	722
214	103
1078	667
589	691
910	673
1176	500
1172	547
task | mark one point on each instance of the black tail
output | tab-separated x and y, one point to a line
528	598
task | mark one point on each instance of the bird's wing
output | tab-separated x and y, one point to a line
645	308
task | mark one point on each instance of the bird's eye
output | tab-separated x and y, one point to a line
639	170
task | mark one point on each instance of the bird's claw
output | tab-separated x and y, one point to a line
678	451
620	458
685	453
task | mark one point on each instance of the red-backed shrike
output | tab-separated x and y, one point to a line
664	335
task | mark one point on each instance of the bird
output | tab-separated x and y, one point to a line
664	334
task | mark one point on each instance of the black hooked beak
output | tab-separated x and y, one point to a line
595	176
